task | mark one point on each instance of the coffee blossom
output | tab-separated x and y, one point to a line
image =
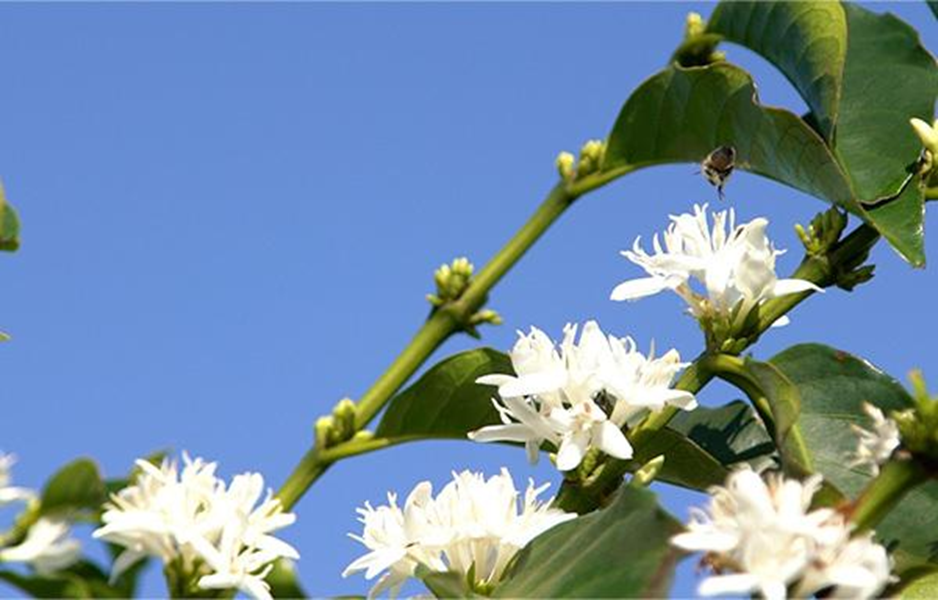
215	533
47	547
874	447
761	537
734	265
473	524
580	396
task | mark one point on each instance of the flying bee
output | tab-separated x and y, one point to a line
718	166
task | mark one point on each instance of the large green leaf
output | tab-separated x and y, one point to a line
888	78
9	225
863	76
682	114
446	401
807	41
833	386
622	551
75	487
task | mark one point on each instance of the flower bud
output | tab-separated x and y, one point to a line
927	133
566	166
694	25
451	281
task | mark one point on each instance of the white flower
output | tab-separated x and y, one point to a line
854	567
10	493
875	447
764	532
581	396
473	523
735	267
927	133
47	547
219	533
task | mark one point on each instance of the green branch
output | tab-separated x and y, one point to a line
444	322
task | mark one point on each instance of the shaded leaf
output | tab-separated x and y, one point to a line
446	401
702	445
621	551
46	587
777	401
82	580
76	486
806	41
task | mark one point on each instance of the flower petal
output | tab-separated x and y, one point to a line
612	441
639	288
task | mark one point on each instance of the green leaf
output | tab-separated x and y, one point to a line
682	114
888	78
47	587
621	551
777	401
806	41
75	487
922	588
700	446
863	76
284	582
82	580
9	225
446	402
833	386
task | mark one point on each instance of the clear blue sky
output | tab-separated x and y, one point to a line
231	213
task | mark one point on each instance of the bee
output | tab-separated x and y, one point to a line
718	166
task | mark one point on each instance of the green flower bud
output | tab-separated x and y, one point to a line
694	25
451	281
591	157
648	472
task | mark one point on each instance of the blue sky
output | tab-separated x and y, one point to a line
231	214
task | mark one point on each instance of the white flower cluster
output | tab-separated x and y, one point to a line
764	532
736	267
47	546
472	523
217	533
875	447
580	396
